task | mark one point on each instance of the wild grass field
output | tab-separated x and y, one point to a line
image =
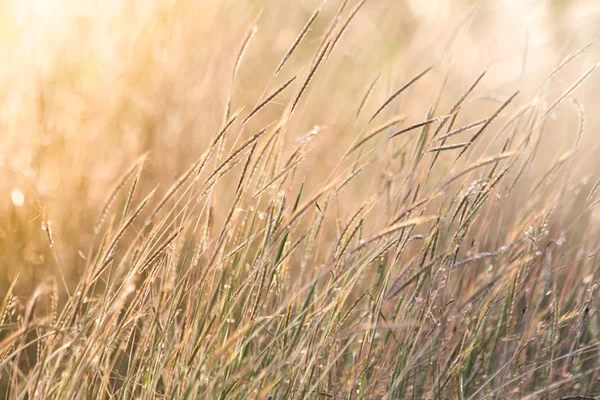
299	199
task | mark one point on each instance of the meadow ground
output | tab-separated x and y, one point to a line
289	199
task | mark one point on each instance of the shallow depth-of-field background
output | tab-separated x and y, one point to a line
299	199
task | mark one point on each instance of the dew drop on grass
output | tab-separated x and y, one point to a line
261	215
312	133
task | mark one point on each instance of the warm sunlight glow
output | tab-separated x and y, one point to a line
299	199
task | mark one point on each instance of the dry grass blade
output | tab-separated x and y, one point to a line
302	209
447	147
416	126
372	133
115	241
453	115
308	78
334	22
194	169
479	164
238	61
297	41
416	205
396	227
115	192
235	153
131	194
345	26
568	91
463	129
277	177
162	248
488	122
366	96
565	63
399	91
7	298
269	98
466	94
